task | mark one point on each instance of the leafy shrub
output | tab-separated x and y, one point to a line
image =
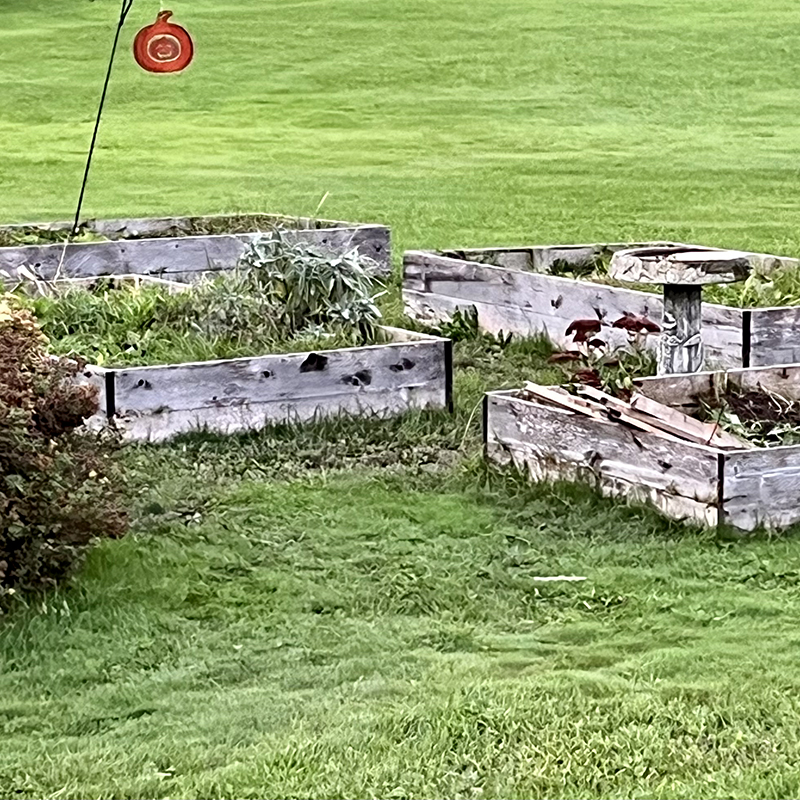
309	288
56	488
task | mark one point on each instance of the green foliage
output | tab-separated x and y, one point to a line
617	374
591	269
614	371
353	636
56	496
779	288
25	236
110	323
282	297
463	326
308	289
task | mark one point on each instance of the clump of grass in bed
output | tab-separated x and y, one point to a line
780	288
282	297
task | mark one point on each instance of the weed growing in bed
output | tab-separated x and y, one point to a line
283	297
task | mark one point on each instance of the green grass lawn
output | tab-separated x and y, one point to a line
350	610
457	122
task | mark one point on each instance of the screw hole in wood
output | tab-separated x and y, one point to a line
314	363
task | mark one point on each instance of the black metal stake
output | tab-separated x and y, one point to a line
126	7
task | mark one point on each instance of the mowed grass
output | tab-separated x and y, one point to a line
456	122
374	635
351	610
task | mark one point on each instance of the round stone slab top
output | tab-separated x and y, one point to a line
679	266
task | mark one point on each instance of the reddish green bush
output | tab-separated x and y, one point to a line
57	480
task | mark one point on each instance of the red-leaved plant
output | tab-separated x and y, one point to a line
595	363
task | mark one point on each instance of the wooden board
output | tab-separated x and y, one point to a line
148	227
762	488
746	488
529	303
774	336
164	425
679	391
155	403
179	257
679	423
679	478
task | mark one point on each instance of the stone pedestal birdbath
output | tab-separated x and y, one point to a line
682	271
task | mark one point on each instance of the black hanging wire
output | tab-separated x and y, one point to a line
123	13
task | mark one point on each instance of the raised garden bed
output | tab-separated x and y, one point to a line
153	403
303	329
532	290
706	447
178	248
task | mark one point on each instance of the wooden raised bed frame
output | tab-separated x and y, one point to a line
744	488
519	296
155	403
171	246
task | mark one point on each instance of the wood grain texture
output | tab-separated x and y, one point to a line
675	421
774	336
256	415
680	347
680	479
681	390
679	265
762	488
183	257
146	227
231	382
529	303
238	394
746	488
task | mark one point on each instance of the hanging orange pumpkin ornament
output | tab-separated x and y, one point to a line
163	46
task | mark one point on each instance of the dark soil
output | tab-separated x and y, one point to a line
766	420
758	407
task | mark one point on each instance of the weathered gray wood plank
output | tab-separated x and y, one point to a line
774	336
527	303
182	257
146	227
253	416
762	488
154	403
773	340
679	390
325	374
679	478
